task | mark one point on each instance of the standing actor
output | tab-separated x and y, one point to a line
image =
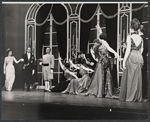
28	68
48	66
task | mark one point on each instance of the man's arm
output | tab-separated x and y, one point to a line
52	63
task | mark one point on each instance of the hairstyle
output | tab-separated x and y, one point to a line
96	41
79	53
67	65
96	51
48	48
142	29
135	24
28	47
103	36
8	50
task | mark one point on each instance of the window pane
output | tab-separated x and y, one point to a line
54	39
102	21
47	39
47	26
93	35
55	52
94	22
54	27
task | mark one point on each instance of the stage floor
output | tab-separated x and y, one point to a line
41	101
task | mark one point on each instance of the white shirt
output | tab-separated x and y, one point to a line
28	55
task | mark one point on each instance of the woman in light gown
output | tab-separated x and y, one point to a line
77	86
9	70
69	75
131	82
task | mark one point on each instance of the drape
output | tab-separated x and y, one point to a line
86	12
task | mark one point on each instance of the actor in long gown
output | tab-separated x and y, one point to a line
131	82
101	84
9	70
68	75
77	86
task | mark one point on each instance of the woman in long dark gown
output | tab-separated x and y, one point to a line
131	82
101	85
69	76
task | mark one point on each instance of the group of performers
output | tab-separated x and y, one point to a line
89	74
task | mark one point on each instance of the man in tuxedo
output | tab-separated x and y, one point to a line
28	68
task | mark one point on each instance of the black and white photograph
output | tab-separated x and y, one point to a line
74	60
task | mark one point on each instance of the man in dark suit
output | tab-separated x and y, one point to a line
28	68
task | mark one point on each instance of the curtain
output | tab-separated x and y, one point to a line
59	13
87	12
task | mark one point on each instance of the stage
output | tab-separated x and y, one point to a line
39	105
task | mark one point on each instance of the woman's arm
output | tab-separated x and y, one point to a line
71	73
4	66
90	63
110	49
72	64
16	60
93	55
87	69
61	65
127	51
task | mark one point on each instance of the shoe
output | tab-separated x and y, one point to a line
45	91
48	90
64	92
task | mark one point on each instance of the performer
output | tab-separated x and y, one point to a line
34	76
28	68
131	82
144	69
101	85
77	86
69	76
9	70
48	67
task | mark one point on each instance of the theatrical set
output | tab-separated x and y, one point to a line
74	61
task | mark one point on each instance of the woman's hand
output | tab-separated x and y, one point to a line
91	71
124	65
70	61
51	71
91	63
21	60
116	55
